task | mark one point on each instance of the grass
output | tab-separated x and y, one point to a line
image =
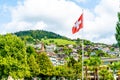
59	41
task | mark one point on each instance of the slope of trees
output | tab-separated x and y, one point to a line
30	35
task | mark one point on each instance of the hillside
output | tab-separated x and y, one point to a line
59	41
33	36
38	34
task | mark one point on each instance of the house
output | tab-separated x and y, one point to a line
70	46
56	59
50	48
38	46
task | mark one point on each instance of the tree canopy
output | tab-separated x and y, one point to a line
118	30
12	57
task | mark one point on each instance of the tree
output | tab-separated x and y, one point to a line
86	64
34	66
115	66
118	30
64	71
71	62
100	53
95	63
32	62
45	65
30	50
77	70
13	57
67	50
105	74
76	66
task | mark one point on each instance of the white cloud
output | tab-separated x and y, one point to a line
59	16
102	27
22	25
80	1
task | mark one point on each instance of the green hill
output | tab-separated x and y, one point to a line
30	35
33	35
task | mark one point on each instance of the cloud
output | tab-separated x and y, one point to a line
59	16
22	25
80	1
101	28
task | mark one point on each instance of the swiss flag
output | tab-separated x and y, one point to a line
78	24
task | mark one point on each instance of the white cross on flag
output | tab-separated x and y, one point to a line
78	24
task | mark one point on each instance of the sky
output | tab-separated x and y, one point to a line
59	16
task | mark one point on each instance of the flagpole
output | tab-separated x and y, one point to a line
82	51
79	25
82	54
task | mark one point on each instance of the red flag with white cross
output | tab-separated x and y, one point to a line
78	24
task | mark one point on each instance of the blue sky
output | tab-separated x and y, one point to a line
90	4
59	16
5	14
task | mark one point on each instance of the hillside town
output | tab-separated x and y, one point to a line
58	57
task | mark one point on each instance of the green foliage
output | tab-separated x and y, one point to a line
71	62
38	34
86	42
118	30
67	50
105	75
76	66
13	57
86	64
95	61
100	53
11	45
34	66
45	65
64	71
77	70
115	66
30	50
32	62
